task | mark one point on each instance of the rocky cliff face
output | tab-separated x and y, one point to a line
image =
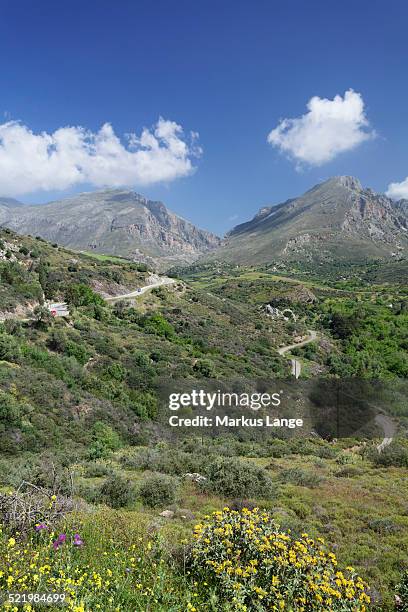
116	222
335	220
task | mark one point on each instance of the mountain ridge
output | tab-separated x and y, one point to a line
337	219
115	222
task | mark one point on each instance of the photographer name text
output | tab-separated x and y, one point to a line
227	421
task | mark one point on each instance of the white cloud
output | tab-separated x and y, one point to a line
398	191
328	128
73	155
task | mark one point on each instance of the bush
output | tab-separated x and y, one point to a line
300	477
9	348
326	452
278	448
345	458
21	510
13	327
105	440
383	525
349	471
270	570
158	325
396	454
234	478
167	461
158	490
205	367
95	469
117	491
301	510
10	410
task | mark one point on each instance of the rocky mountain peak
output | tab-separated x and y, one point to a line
336	220
350	182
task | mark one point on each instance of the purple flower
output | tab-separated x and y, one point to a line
77	540
59	541
40	526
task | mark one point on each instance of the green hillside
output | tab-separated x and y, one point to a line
79	408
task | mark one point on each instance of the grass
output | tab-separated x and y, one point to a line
108	258
371	504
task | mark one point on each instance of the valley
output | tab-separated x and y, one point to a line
84	432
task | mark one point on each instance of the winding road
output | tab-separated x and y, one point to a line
385	422
157	281
296	363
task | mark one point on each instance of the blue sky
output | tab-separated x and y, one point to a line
229	70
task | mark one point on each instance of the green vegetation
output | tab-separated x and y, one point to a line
158	490
80	408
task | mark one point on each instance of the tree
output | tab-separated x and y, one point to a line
82	295
42	317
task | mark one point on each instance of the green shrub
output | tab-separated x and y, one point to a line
42	317
158	325
232	477
9	348
158	490
74	349
96	469
349	471
278	448
57	340
300	477
117	491
383	525
105	440
345	458
143	403
116	371
396	454
300	509
13	327
326	452
10	410
205	367
167	461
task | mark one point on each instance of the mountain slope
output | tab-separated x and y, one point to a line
10	202
116	222
337	220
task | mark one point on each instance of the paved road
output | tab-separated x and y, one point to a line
296	363
155	282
